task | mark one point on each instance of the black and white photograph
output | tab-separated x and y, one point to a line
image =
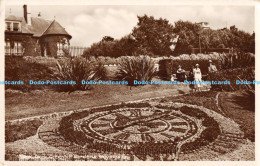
129	82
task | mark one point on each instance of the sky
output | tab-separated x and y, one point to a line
88	24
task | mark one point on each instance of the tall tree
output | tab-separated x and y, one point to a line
153	36
189	36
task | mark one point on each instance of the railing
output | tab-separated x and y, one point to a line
18	51
203	50
76	50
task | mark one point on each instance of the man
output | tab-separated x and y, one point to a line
212	68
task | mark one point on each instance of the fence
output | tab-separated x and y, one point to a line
203	50
76	50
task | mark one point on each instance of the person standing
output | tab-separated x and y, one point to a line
212	68
197	77
180	74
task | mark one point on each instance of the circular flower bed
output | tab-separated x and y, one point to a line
143	129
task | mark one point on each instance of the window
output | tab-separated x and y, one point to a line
13	26
16	27
13	48
7	48
59	49
8	26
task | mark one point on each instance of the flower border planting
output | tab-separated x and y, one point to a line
21	130
219	136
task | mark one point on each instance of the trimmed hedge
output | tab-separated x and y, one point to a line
167	67
18	68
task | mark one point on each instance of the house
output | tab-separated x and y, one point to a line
35	36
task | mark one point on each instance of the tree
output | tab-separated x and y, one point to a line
192	35
188	36
153	36
126	46
252	43
107	38
108	47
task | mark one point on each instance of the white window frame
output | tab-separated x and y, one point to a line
12	26
59	48
16	50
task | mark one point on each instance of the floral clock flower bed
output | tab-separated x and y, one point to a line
144	130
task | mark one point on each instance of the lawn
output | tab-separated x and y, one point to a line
238	106
32	100
38	102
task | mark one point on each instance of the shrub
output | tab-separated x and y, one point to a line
18	68
139	68
237	60
111	48
78	69
232	75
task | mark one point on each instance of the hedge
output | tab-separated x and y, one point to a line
18	68
245	74
167	67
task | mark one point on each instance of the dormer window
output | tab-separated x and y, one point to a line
13	26
16	26
8	26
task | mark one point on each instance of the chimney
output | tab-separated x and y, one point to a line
27	15
25	12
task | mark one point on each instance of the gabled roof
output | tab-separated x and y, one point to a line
55	28
39	26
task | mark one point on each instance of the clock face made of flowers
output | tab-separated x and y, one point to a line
137	129
134	126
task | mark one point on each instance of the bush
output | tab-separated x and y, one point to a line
232	75
139	68
111	48
18	68
79	69
237	60
167	67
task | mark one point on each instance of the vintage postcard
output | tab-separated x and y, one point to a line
169	81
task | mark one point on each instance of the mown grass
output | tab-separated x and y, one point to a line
205	99
239	106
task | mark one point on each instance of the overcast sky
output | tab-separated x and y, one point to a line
88	24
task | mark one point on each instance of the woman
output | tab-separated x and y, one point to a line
197	77
180	74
